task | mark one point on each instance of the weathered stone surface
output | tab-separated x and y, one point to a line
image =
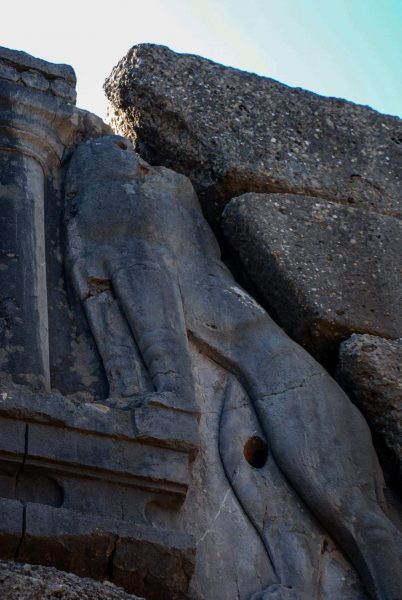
323	269
233	132
185	446
129	225
370	369
302	554
35	126
154	561
39	127
143	559
23	62
12	514
32	582
89	127
75	482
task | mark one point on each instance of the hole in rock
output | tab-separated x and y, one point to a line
256	452
97	285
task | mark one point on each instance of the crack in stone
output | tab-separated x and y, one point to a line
24	508
22	465
210	528
23	531
110	560
294	387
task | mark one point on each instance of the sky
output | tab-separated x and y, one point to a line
346	48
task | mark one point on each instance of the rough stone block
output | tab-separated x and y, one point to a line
137	557
370	370
233	132
154	569
12	526
323	269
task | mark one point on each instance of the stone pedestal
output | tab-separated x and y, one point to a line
77	482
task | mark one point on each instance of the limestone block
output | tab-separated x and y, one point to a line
233	132
325	270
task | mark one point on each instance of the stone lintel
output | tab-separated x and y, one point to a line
143	419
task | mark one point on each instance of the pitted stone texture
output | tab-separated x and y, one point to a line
233	132
325	270
31	582
370	369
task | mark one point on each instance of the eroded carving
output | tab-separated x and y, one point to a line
139	234
124	270
37	120
76	473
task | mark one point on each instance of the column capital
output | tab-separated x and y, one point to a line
37	107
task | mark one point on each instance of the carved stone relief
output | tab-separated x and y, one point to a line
136	236
158	429
36	122
76	474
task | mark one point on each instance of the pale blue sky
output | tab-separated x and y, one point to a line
345	48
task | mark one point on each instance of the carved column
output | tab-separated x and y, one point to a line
37	115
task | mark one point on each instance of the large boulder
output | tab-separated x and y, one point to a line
233	132
325	270
370	370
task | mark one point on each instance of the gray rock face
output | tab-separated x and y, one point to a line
303	557
76	475
233	132
39	125
325	270
129	226
29	582
370	369
37	121
181	445
89	127
75	481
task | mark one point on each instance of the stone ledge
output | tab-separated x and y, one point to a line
150	418
134	556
